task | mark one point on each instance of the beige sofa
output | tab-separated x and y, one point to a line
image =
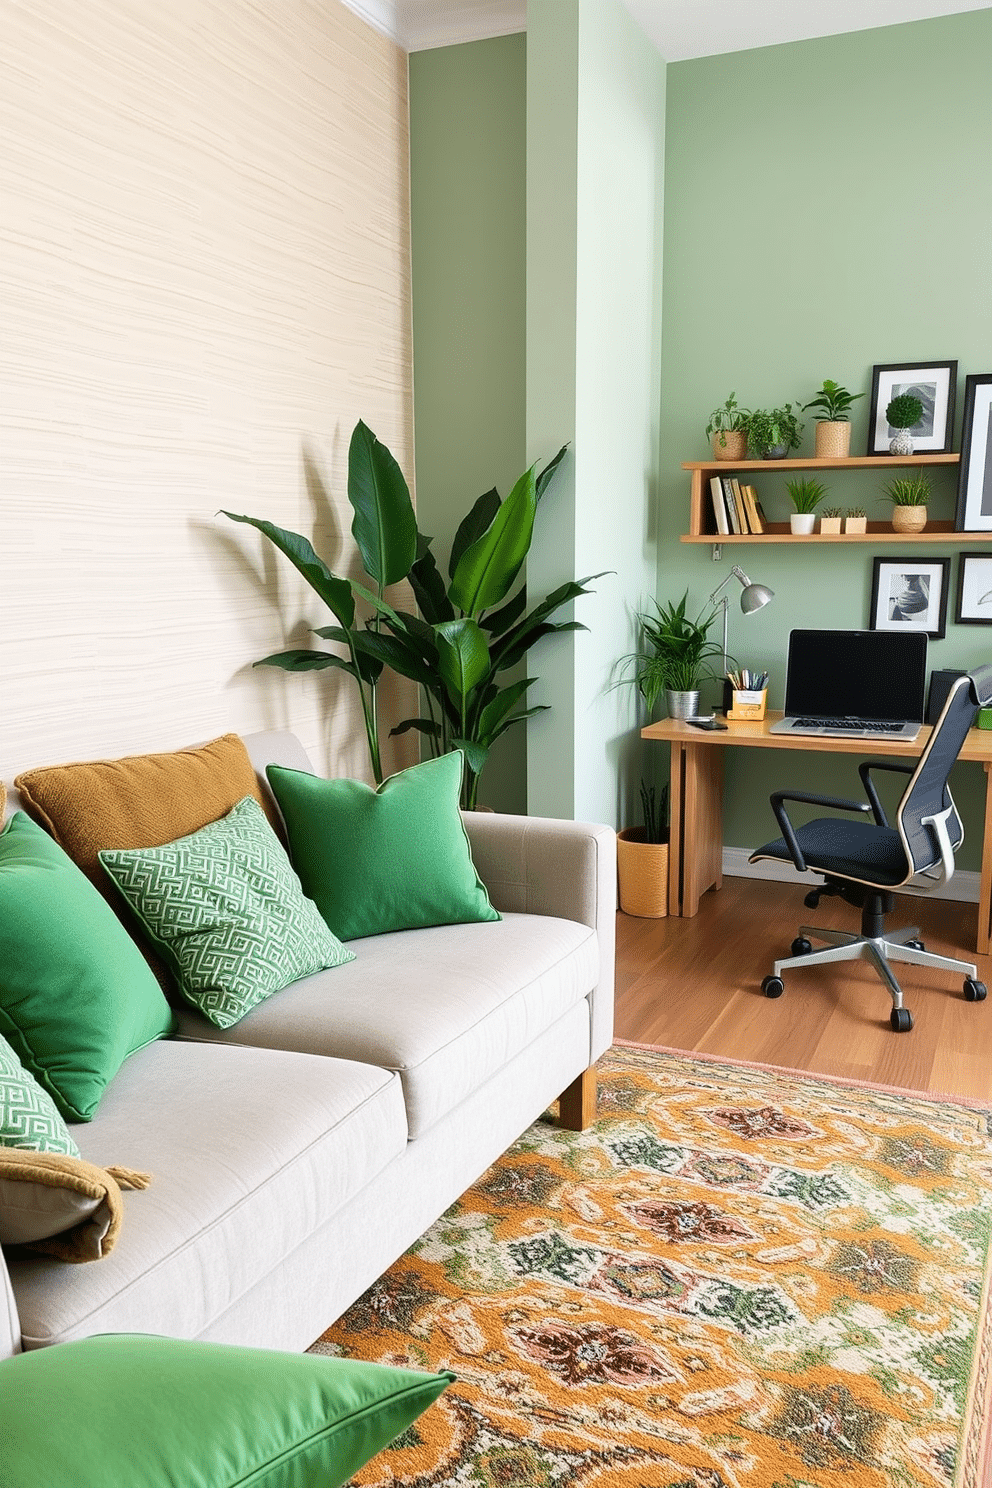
296	1155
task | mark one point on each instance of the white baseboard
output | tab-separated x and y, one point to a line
963	886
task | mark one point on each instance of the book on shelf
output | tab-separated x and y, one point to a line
735	489
753	511
731	504
719	506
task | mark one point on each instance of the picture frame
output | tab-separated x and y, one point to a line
935	384
974	598
974	508
910	594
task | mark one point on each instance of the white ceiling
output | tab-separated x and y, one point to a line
678	28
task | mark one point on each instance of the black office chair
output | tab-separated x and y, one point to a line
864	862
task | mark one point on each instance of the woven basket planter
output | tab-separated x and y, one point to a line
730	444
833	439
642	868
909	518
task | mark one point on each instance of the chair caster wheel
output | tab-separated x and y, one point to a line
916	945
801	946
812	899
773	986
975	991
901	1020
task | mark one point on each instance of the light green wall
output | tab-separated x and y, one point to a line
467	153
595	174
828	207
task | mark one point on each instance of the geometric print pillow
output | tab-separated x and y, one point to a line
28	1116
227	912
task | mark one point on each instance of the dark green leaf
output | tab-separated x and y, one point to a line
429	591
475	754
473	526
518	651
493	714
384	526
486	570
336	593
307	661
392	652
422	725
519	718
501	619
463	657
547	474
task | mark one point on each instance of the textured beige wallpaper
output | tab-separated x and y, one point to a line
204	283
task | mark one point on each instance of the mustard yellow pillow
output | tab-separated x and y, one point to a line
64	1206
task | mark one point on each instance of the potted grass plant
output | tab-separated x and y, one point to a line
830	520
910	495
833	428
675	655
642	858
856	520
806	493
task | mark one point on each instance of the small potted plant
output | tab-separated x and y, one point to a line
727	428
675	655
830	520
833	427
902	414
806	494
642	859
909	496
856	519
773	432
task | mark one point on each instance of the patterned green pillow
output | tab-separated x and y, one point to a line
28	1115
226	910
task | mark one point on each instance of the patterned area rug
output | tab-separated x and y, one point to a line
740	1278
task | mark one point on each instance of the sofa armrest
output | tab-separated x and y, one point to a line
10	1324
540	865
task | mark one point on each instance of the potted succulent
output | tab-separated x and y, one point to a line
833	428
642	859
727	428
856	519
830	520
902	414
909	496
676	654
773	432
806	493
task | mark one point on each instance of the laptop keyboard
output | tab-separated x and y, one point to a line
856	725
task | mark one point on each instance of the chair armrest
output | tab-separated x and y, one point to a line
900	767
10	1325
540	865
806	798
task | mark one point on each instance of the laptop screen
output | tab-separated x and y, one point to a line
877	674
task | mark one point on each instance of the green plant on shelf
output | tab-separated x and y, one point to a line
904	412
856	511
774	429
832	402
832	511
909	490
729	418
806	493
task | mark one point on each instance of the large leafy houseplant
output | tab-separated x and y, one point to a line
468	632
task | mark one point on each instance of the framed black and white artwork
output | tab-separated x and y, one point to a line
934	383
910	594
974	606
974	509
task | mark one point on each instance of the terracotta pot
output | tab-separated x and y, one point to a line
909	518
730	444
642	869
833	439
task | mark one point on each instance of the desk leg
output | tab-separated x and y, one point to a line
696	808
985	888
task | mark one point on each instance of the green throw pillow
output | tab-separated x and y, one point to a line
225	908
142	1412
28	1117
396	858
76	994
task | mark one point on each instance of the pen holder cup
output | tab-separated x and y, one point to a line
749	705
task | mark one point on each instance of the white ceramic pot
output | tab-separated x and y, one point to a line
802	523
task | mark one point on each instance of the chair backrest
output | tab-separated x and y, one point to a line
927	793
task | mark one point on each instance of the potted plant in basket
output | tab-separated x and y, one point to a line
909	496
773	432
727	428
676	654
642	859
806	493
833	428
902	414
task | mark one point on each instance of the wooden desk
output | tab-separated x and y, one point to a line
695	861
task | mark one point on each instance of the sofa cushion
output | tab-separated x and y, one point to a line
141	801
446	1007
395	858
250	1150
76	995
153	1412
226	910
28	1115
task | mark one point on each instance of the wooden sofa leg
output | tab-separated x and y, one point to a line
577	1103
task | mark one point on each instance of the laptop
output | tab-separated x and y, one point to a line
861	684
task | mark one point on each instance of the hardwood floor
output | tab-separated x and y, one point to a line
696	984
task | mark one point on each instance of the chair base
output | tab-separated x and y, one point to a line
879	950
